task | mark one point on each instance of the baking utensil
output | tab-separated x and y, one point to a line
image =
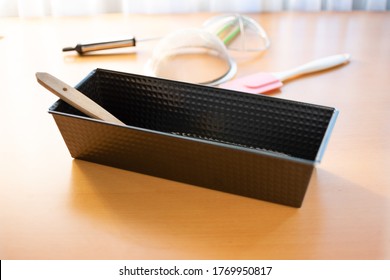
263	82
75	98
266	150
238	32
192	55
89	47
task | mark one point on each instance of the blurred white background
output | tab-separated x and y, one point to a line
36	8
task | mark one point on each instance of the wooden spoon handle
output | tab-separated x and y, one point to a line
75	98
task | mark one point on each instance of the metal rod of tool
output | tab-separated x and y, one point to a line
90	47
84	48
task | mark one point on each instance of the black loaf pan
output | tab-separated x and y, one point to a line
251	145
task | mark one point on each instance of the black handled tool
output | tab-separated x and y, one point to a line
84	48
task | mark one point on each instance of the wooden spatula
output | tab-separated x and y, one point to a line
75	98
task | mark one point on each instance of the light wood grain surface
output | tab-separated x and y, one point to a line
54	207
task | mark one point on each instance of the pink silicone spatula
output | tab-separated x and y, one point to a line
263	82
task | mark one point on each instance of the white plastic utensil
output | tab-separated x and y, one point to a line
75	98
263	82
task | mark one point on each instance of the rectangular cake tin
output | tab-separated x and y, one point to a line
251	145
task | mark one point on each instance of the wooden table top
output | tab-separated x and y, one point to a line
54	207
